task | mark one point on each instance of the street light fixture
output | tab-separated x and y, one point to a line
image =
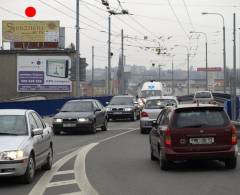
188	76
206	46
224	48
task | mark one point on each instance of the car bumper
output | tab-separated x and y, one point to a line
87	126
120	115
146	124
13	168
171	155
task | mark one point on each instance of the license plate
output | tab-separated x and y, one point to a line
69	125
202	140
117	112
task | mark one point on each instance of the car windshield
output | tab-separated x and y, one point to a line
200	118
203	95
149	93
77	107
121	101
155	104
13	125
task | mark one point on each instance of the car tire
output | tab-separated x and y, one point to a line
28	177
105	126
143	131
231	163
94	128
164	164
153	158
56	132
48	165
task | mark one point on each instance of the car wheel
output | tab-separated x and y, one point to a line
164	164
48	165
105	126
94	128
56	132
143	131
153	158
30	171
231	163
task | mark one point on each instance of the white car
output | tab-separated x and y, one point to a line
152	108
26	144
205	97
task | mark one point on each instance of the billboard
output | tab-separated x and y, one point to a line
30	31
43	74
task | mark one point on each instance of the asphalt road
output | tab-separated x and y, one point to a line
117	162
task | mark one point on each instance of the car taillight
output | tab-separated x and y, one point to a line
144	114
168	141
234	135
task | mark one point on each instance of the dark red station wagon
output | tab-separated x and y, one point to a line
192	132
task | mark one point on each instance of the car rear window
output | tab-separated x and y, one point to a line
203	95
155	104
201	117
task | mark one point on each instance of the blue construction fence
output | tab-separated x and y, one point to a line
48	107
228	107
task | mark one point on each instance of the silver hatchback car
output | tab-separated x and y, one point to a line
26	144
152	108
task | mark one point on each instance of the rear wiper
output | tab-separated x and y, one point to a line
2	133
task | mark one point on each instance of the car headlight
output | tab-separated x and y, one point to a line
12	155
83	119
58	120
128	109
108	109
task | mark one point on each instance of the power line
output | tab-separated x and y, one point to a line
14	13
178	20
188	13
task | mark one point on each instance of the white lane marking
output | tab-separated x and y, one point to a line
80	171
40	186
69	150
61	183
74	193
104	140
64	172
122	129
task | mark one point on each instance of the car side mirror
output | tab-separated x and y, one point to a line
97	110
37	131
154	124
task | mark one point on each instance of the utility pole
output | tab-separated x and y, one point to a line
78	93
122	65
224	59
109	54
206	65
188	75
92	70
234	103
172	77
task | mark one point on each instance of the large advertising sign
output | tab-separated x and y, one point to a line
30	31
210	69
43	74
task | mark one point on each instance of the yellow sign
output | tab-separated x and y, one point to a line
30	31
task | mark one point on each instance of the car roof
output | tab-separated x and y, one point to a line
203	92
196	106
124	96
13	111
83	100
161	97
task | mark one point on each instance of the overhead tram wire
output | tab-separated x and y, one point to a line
177	18
70	9
60	11
13	13
188	13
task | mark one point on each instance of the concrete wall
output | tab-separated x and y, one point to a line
8	72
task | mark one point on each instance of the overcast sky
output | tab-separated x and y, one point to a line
152	18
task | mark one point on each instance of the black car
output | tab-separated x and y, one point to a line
80	115
123	107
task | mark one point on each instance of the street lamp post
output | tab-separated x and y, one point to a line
206	47
172	75
224	49
188	75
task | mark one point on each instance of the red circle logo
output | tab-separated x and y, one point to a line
30	11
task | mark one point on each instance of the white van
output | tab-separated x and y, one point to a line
151	88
